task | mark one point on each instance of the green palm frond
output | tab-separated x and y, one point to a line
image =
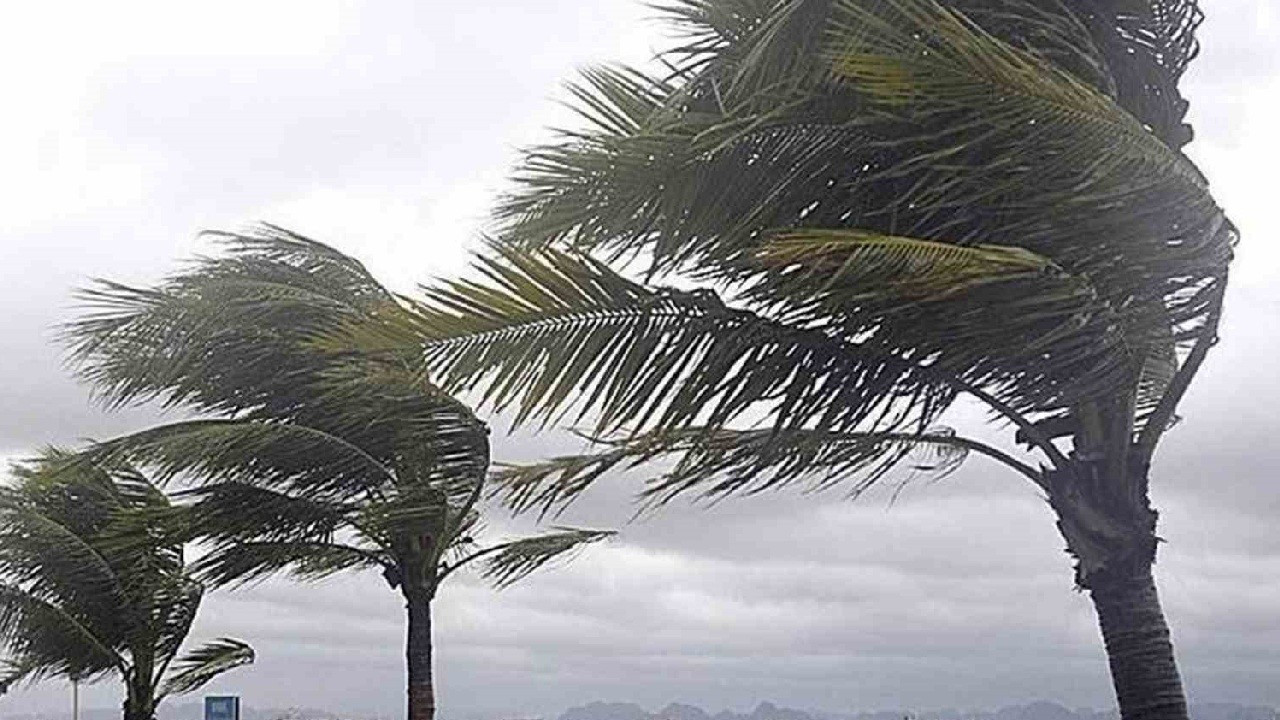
552	332
1004	306
511	562
175	608
274	454
413	506
244	510
216	336
1011	123
193	670
15	673
51	522
46	639
616	99
238	563
924	58
714	464
1151	44
91	569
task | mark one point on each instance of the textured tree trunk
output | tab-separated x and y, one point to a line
139	705
1110	528
1143	669
422	694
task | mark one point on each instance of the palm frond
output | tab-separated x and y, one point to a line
715	464
198	667
857	268
47	639
552	332
244	510
176	605
925	58
220	336
272	454
511	562
89	570
238	563
16	672
1148	45
47	523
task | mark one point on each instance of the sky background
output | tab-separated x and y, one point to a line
385	128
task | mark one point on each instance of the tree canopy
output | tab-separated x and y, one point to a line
92	585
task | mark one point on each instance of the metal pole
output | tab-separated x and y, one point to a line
75	700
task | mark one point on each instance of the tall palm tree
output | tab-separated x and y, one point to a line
868	209
91	588
315	462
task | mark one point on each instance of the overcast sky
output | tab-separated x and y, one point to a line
385	128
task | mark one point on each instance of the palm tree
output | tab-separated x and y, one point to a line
91	588
314	463
865	210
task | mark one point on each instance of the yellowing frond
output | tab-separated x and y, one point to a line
865	262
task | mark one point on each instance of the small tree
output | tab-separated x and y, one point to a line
320	462
91	586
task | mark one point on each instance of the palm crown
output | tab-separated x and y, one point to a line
888	204
884	205
93	587
316	462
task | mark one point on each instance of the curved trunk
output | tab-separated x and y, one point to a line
1110	528
422	694
1143	669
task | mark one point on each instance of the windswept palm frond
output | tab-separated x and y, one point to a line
1148	45
239	563
214	336
920	58
46	639
513	561
177	602
975	122
195	669
552	332
715	464
14	673
38	550
92	579
865	262
616	99
244	510
284	455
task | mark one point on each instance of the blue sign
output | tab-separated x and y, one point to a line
222	707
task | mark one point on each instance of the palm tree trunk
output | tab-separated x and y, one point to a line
1143	669
422	694
139	704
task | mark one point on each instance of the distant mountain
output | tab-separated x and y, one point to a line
768	711
606	711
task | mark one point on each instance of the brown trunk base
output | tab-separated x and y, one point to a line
1139	649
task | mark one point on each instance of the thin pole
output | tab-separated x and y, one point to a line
75	700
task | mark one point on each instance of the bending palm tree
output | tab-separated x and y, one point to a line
320	463
79	601
888	204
